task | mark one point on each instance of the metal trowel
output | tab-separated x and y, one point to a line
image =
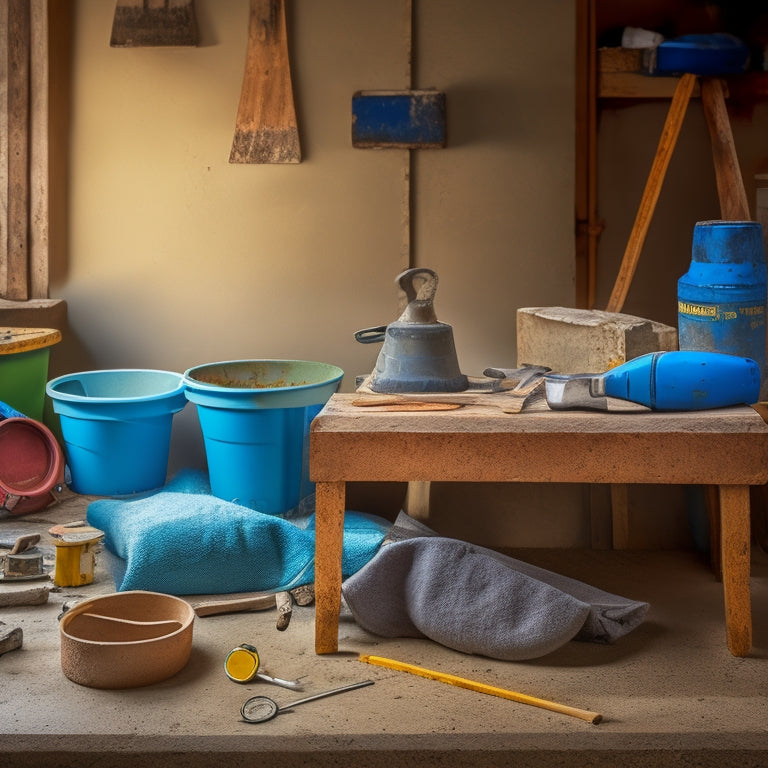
661	381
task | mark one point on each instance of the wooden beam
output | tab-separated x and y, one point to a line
585	130
666	146
730	185
735	559
16	116
3	147
24	157
37	257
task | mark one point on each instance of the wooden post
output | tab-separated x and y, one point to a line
667	142
730	185
16	120
588	227
38	214
330	500
620	515
735	558
24	149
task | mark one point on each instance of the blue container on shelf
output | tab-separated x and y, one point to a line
722	298
255	417
116	427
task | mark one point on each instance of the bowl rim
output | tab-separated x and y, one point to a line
87	607
54	394
191	383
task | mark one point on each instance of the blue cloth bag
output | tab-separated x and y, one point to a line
182	540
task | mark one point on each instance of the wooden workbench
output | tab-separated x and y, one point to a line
726	447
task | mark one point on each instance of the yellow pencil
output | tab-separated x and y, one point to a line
461	682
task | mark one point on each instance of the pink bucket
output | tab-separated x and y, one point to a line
31	466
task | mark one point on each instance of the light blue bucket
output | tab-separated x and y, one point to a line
116	427
255	417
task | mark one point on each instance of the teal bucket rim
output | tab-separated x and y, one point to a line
202	386
50	387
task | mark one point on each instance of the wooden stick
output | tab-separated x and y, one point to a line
284	610
730	184
16	246
217	607
461	682
667	142
402	404
39	156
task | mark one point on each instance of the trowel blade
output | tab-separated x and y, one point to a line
564	392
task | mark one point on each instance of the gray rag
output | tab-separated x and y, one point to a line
478	601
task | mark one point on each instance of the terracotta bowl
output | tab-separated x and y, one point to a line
126	640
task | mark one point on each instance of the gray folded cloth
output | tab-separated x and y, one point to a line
478	601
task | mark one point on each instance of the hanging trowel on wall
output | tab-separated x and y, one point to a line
266	129
139	23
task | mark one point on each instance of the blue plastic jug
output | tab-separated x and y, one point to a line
721	300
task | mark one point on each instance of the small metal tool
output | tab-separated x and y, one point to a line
242	666
259	709
516	379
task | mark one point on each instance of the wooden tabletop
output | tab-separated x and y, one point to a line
14	340
482	443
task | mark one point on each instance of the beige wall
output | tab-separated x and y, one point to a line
175	257
168	256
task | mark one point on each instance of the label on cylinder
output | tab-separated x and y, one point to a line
735	328
753	314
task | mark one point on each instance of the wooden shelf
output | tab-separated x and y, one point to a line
633	85
620	76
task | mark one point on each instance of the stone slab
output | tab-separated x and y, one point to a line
572	340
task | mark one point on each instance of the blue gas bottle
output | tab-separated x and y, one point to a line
721	300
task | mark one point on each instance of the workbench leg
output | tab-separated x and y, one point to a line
416	503
620	515
330	500
735	564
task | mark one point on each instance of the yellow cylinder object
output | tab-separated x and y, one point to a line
75	562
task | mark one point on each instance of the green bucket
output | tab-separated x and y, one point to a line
24	355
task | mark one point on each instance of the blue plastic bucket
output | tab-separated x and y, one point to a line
116	427
255	417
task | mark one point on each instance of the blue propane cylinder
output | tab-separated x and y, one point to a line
721	300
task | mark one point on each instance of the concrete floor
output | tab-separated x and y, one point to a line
670	693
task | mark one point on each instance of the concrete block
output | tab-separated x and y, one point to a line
586	341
